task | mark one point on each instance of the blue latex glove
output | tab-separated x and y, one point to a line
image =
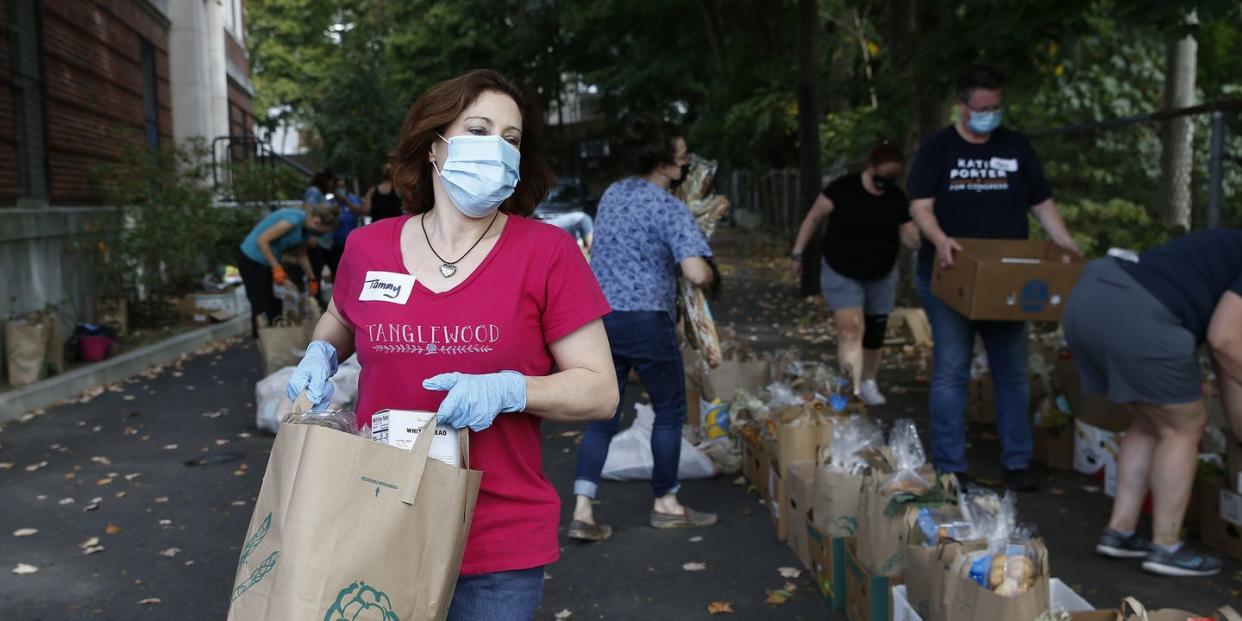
314	375
474	400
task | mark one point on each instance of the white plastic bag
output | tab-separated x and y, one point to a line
272	404
629	454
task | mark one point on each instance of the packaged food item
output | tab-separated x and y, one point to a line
340	420
850	439
1008	566
941	525
908	460
400	428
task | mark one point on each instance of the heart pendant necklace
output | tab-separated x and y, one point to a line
448	268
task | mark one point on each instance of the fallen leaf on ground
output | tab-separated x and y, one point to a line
170	447
165	522
23	569
25	532
696	539
694	566
33	467
149	601
717	608
65	501
103	482
777	597
789	572
8	465
170	552
93	541
161	499
92	550
102	460
564	614
238	503
112	529
133	475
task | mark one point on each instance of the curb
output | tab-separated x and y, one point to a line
41	394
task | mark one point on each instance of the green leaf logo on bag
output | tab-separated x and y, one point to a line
358	598
264	568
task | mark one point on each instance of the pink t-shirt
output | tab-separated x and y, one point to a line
532	289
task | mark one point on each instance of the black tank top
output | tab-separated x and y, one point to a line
384	205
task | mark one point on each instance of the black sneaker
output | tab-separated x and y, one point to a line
1184	563
1022	480
1116	545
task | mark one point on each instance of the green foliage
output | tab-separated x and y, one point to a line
1098	226
165	232
261	184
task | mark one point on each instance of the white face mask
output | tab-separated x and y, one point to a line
479	173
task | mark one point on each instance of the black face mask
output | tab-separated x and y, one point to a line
685	170
884	184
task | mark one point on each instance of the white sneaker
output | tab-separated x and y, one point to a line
869	392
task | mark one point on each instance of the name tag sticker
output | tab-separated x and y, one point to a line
387	287
1007	165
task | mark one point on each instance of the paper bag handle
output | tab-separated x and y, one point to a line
302	404
422	452
1227	613
1134	606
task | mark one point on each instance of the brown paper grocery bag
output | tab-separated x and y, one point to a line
965	600
25	349
1133	610
281	343
836	502
882	539
55	343
730	375
348	528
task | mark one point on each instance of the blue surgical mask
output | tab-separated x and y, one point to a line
984	122
479	173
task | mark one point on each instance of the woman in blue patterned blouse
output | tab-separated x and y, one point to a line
644	239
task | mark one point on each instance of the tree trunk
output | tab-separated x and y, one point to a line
929	82
1178	134
808	109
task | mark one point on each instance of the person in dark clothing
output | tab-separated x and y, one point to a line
976	179
868	221
259	261
382	201
352	209
1134	329
317	246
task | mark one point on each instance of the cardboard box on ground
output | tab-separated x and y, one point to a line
1220	518
213	307
1008	280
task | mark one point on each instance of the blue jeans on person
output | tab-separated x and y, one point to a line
953	337
500	596
645	341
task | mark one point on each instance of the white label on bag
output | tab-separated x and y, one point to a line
400	428
1231	507
386	287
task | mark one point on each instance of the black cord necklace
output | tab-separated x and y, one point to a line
448	268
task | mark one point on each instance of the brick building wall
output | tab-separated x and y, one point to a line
241	114
93	71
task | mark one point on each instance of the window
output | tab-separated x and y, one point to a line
150	95
27	85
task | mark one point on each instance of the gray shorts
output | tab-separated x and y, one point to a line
875	297
1127	345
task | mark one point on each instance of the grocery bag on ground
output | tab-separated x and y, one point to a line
839	476
1133	610
25	349
272	403
281	343
348	528
968	600
898	485
629	454
734	373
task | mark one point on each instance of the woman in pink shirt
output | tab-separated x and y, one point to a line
467	307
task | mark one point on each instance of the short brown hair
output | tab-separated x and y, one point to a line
435	110
884	152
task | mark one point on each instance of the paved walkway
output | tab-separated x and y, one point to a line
163	470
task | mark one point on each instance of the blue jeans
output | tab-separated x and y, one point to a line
1006	345
647	342
502	596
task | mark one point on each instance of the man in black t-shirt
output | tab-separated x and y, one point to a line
975	179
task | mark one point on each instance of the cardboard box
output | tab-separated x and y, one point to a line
867	597
1220	519
794	443
1008	280
1054	448
1060	597
828	565
801	477
1094	449
755	466
214	307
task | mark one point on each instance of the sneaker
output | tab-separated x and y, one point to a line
1116	545
1021	480
870	394
689	519
1183	563
586	531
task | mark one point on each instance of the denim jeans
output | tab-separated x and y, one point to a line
647	342
1006	345
502	596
